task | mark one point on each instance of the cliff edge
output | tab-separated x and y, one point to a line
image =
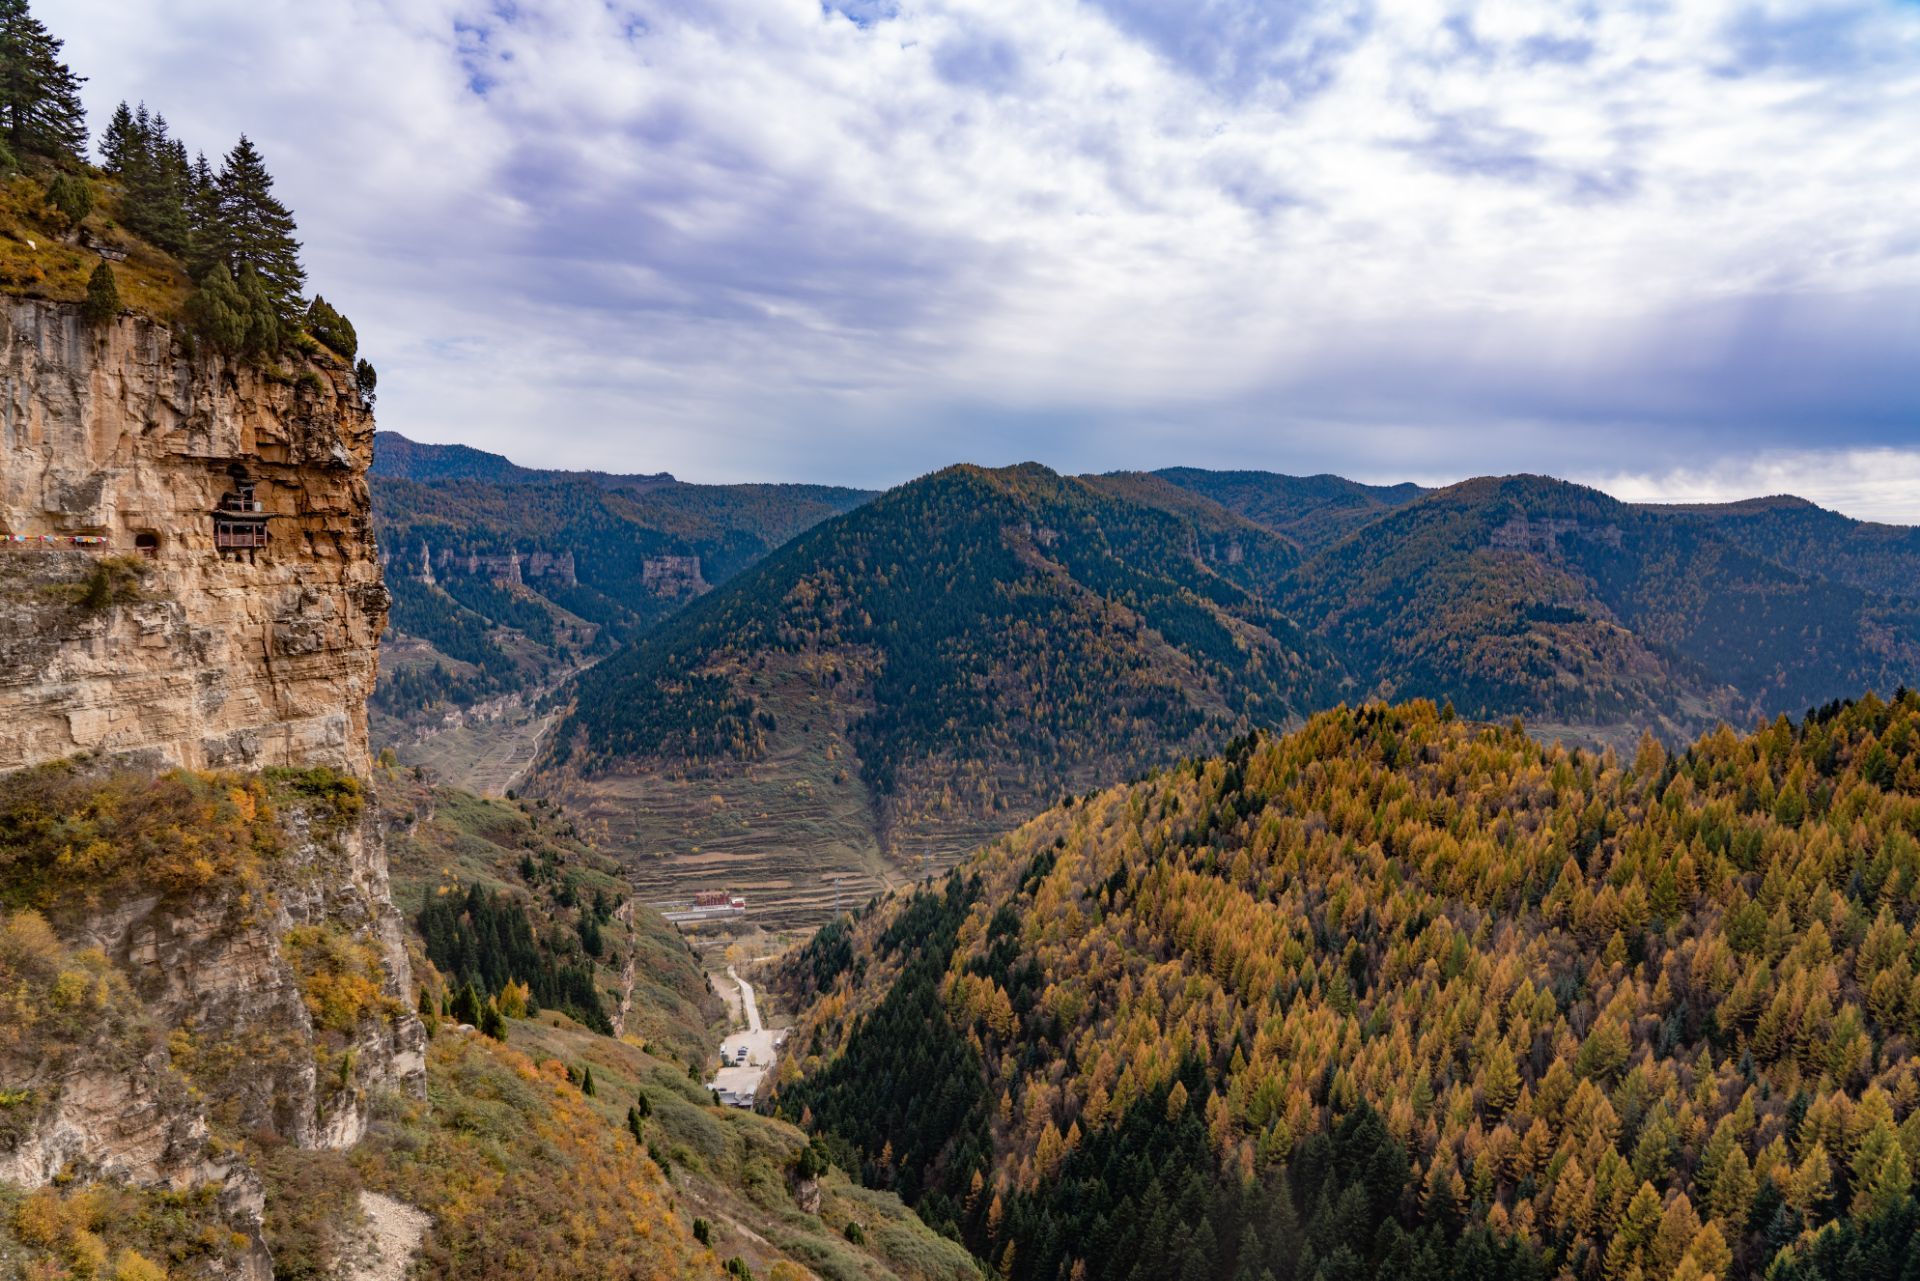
199	953
242	630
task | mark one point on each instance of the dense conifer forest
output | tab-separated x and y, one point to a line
487	638
1400	994
1039	621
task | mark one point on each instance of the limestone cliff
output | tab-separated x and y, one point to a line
190	605
252	640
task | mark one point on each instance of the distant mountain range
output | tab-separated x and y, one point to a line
947	657
505	576
986	640
395	457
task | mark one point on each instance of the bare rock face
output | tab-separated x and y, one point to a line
188	578
252	639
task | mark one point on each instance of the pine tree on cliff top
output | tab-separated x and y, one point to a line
39	95
217	311
103	296
254	228
158	183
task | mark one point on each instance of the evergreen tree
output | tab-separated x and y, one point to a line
587	1087
40	107
466	1005
262	316
255	229
336	331
103	296
366	380
119	143
157	182
203	217
70	197
491	1023
217	312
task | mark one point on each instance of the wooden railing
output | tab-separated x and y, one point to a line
239	537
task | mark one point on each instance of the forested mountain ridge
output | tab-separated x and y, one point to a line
1313	511
1524	595
1402	995
1813	541
911	679
505	578
398	457
997	635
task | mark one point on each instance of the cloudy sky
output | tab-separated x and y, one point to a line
1673	249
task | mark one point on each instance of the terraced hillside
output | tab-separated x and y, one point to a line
903	682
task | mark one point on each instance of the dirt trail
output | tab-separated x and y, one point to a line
624	914
393	1232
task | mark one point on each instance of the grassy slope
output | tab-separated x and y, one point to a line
37	260
726	1166
443	838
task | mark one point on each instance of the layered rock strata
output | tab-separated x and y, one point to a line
240	490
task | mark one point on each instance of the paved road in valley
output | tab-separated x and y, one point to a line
746	997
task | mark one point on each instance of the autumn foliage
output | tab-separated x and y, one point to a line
1415	996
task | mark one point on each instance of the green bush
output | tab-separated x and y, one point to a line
339	792
103	296
112	580
71	198
332	328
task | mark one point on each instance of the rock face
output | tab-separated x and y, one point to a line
226	1041
118	440
188	578
672	576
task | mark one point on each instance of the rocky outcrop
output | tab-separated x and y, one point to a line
672	576
188	578
225	1040
508	568
227	655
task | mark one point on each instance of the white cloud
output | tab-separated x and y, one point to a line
752	238
1867	484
